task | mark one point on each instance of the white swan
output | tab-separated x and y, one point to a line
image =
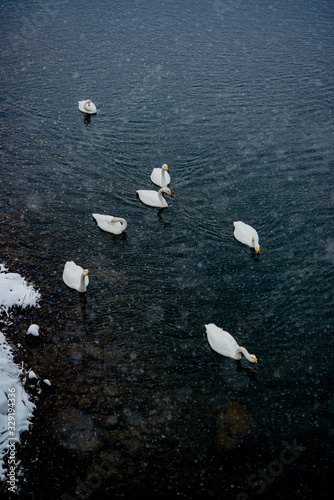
160	176
87	106
154	198
247	235
75	277
223	343
114	225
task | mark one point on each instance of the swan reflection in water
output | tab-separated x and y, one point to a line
161	219
87	119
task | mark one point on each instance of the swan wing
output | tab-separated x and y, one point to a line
151	198
245	233
103	221
82	105
91	108
221	341
100	219
156	177
72	274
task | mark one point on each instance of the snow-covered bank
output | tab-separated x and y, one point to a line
15	291
14	400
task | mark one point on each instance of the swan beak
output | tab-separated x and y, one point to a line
87	271
170	194
255	360
257	250
166	168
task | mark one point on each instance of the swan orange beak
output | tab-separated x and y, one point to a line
87	271
257	250
255	360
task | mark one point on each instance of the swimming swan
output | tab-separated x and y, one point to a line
154	198
87	107
247	235
75	277
160	176
223	343
114	225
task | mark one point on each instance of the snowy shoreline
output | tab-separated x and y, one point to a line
16	407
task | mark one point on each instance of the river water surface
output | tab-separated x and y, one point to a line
237	98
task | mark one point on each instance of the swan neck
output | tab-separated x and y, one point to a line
244	351
82	286
255	242
163	179
122	221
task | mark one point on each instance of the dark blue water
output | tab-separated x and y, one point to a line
237	98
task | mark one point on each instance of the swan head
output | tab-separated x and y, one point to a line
164	166
88	106
166	190
250	357
255	244
85	272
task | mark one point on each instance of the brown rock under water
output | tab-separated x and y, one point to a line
234	423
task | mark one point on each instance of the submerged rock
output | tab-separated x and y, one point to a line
75	431
234	423
84	403
107	421
75	352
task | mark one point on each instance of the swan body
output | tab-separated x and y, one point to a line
160	176
75	276
154	198
87	106
247	235
223	343
114	225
